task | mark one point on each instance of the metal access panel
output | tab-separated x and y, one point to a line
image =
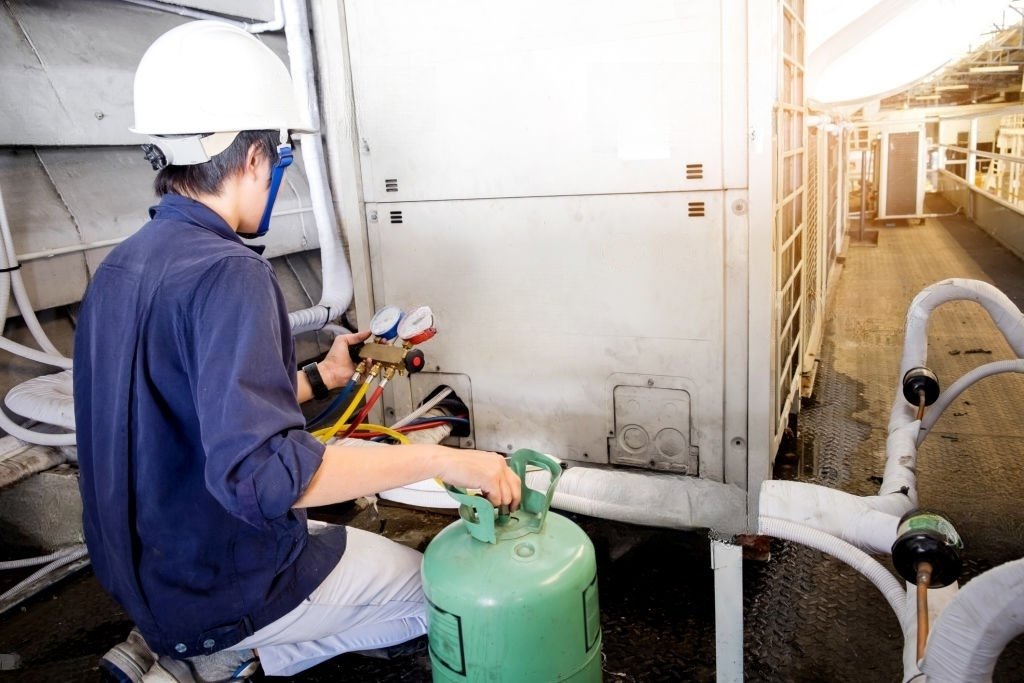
460	99
652	429
901	186
550	305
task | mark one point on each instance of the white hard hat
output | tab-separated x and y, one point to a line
212	77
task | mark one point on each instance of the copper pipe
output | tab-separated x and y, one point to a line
924	580
921	402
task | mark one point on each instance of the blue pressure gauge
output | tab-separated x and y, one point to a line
384	324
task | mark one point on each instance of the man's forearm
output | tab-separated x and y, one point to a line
349	472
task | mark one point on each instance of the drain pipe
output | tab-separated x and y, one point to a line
337	277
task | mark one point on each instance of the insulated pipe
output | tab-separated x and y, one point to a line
337	277
971	633
661	500
958	387
884	581
867	522
938	600
1006	316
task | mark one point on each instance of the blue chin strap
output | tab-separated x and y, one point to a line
284	160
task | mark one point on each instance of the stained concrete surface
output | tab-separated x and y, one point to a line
807	617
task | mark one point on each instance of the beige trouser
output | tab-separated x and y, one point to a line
372	599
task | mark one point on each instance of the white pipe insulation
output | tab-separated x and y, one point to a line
973	630
1006	316
337	276
661	500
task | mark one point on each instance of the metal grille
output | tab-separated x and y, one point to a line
789	220
832	172
813	228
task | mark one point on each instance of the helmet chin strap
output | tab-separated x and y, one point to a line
284	160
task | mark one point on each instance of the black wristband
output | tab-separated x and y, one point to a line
316	382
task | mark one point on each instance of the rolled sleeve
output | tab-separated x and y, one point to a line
259	458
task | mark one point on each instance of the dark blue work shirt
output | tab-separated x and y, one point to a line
190	440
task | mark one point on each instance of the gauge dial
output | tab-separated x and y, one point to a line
385	322
416	322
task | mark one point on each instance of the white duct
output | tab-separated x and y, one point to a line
337	277
661	500
970	634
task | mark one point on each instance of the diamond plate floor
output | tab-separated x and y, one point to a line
807	618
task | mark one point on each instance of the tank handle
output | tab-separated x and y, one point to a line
535	502
478	515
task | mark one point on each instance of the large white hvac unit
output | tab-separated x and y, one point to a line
569	186
901	168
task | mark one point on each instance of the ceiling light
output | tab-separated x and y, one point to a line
1005	68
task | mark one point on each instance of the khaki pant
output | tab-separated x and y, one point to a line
372	599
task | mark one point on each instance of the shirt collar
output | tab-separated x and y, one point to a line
175	206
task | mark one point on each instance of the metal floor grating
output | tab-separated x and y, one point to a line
807	618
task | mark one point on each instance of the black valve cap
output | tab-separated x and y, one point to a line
414	361
919	380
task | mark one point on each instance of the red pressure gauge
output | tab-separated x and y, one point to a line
417	326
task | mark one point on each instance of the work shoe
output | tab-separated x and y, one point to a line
129	661
226	666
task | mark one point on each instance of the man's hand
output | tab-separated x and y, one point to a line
337	367
482	470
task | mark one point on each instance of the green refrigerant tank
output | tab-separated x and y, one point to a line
513	597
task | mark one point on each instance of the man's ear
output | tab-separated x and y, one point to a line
253	161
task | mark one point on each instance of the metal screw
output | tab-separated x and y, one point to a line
650	382
373	216
508	447
99	115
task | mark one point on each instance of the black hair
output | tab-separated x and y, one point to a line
209	177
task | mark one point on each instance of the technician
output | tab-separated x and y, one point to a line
195	466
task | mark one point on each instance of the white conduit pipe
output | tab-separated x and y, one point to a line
34	561
29	436
973	630
78	553
882	579
12	281
337	277
1006	316
274	25
956	388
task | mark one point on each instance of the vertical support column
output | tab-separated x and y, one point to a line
972	158
727	563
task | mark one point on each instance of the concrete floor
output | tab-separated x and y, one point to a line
807	618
